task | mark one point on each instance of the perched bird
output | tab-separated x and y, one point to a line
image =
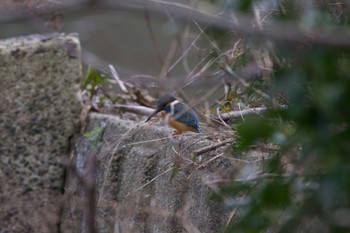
177	114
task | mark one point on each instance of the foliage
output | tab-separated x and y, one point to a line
95	136
305	187
99	92
92	80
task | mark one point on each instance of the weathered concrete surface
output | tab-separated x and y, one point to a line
136	191
39	78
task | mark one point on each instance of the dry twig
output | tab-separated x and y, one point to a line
236	114
116	77
134	109
211	147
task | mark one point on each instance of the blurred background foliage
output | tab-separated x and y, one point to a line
291	56
305	186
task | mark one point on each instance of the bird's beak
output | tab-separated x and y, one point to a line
153	114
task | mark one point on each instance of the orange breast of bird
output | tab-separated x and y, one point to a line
179	126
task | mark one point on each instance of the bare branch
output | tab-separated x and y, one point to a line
241	23
134	109
211	147
235	114
154	178
116	77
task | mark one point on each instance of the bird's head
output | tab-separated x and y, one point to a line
162	103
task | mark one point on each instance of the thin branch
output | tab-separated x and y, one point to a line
244	24
185	52
141	110
209	161
116	77
147	141
211	147
237	114
219	118
134	109
232	214
156	177
213	44
170	55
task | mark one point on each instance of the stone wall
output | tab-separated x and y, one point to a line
148	181
132	176
39	78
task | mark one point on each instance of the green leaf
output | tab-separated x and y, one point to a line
92	79
276	194
95	136
253	130
175	171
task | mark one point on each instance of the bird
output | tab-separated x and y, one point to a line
177	114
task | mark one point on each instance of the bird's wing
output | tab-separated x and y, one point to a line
183	113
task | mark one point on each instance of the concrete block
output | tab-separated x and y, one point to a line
39	84
137	189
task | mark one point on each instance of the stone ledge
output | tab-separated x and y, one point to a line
138	191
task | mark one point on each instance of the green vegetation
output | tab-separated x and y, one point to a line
92	81
305	186
95	136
